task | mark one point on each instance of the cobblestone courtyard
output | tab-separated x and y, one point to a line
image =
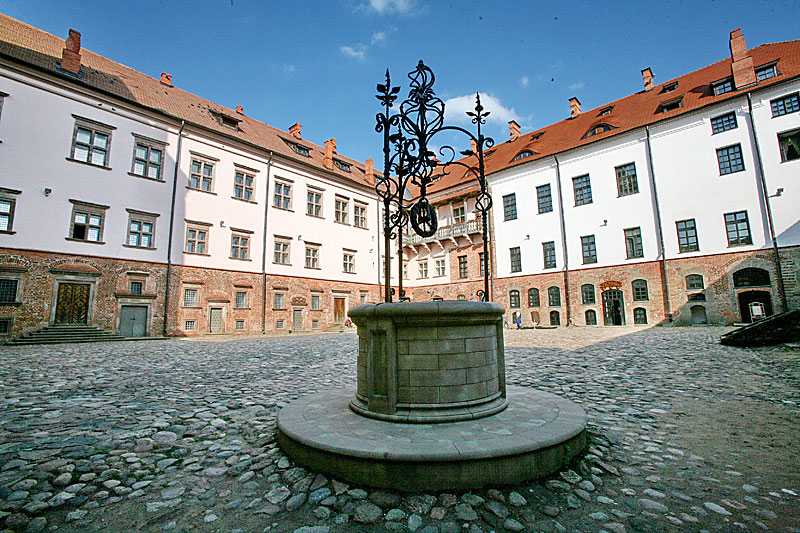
686	435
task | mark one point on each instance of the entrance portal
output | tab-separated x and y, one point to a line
215	321
133	321
297	320
338	310
613	308
72	304
748	297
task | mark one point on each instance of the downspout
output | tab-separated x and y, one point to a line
659	231
781	289
171	226
264	251
562	219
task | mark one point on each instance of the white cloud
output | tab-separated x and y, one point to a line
378	37
524	81
455	109
577	85
390	6
285	70
357	51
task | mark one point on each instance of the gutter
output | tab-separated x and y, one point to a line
765	194
264	251
172	225
659	230
562	219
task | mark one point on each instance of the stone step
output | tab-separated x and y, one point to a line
65	334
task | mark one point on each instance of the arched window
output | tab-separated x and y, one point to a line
554	296
639	287
751	277
587	293
591	317
533	297
513	298
599	128
461	297
522	155
640	315
694	282
555	318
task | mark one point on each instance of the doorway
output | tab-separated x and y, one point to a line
72	304
613	308
698	315
297	320
133	321
749	297
338	311
215	324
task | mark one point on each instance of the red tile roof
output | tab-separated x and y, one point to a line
629	113
25	44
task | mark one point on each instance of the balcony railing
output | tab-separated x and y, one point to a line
447	232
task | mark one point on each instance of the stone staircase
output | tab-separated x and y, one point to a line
775	329
65	334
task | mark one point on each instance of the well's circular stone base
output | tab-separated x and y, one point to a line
533	437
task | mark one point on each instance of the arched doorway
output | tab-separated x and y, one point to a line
535	318
613	307
555	318
698	314
750	297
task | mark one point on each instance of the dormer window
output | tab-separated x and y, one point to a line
537	136
722	86
670	87
670	105
487	154
599	128
767	71
298	148
341	165
522	155
605	111
226	120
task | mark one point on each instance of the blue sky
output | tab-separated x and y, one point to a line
318	62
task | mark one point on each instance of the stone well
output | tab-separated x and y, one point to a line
431	410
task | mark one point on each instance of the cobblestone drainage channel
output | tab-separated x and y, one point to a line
431	410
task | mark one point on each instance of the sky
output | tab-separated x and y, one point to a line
318	63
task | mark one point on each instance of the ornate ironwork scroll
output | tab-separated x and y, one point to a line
408	159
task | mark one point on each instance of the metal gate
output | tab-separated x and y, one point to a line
297	320
133	321
215	321
72	304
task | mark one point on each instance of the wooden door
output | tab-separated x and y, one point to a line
215	322
338	310
72	304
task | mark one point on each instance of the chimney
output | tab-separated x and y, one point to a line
166	79
473	145
71	56
294	130
240	109
741	63
330	149
647	78
513	131
369	171
574	107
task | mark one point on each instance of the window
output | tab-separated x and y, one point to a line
789	142
587	293
141	228
279	323
730	159
766	72
738	228
190	325
583	190
589	249
723	123
87	222
626	180
349	262
483	264
554	296
423	269
516	259
459	214
136	287
463	273
279	300
190	297
91	142
315	323
7	214
633	243
8	290
341	165
696	297
298	149
315	302
670	87
240	246
544	198
281	255
751	277
283	195
670	105
591	317
312	256
243	186
694	282
549	252
513	299
555	318
722	87
241	300
362	299
510	207
240	324
196	239
639	287
605	111
342	210
201	176
439	266
785	104
405	271
596	130
522	155
359	215
314	203
687	235
148	158
640	315
533	297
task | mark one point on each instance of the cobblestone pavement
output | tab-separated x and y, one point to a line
686	435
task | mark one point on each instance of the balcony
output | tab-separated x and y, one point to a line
462	229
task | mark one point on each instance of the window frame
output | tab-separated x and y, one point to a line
549	254
204	162
136	286
640	291
17	282
588	294
312	256
314	202
422	269
627	180
142	218
582	190
459	212
89	210
245	300
687	232
463	267
280	241
554	296
588	249
150	145
785	105
544	198
723	123
195	301
722	86
341	210
243	186
240	241
770	70
359	214
94	127
509	207
639	316
282	199
439	267
279	300
514	300
516	259
316	302
691	284
349	261
198	227
790	136
728	165
748	239
634	247
9	196
534	298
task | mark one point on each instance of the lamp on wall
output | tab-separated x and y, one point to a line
779	192
605	223
48	190
221	223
